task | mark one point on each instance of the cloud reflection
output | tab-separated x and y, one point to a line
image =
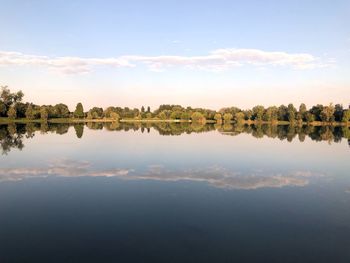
214	175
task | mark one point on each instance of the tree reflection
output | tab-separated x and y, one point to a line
10	138
12	135
79	130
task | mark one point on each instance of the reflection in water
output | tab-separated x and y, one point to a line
123	196
12	135
79	130
214	175
64	167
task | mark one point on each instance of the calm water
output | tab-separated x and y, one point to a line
174	193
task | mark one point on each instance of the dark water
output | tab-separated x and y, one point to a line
174	193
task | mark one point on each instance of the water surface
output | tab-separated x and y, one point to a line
174	193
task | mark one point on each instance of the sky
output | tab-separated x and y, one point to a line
210	54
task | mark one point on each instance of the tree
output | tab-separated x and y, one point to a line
21	109
175	115
316	111
79	111
89	115
258	112
228	117
185	116
115	116
291	112
198	117
239	116
29	112
338	114
10	98
162	115
107	112
44	115
148	109
95	113
248	114
142	109
61	111
218	117
309	117
3	109
327	113
12	113
346	116
302	108
271	114
282	113
302	112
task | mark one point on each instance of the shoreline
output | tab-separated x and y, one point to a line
5	120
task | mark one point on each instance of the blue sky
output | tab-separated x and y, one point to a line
199	53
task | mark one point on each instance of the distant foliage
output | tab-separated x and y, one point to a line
11	106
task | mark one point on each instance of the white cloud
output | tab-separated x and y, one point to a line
67	65
217	60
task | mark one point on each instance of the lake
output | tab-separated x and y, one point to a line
174	192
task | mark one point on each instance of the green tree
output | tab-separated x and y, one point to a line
44	114
12	113
185	116
142	109
148	109
300	116
79	111
164	115
218	118
271	114
115	116
228	117
258	112
175	115
291	112
96	113
10	98
107	112
3	109
198	117
89	115
282	113
327	113
346	116
338	114
29	112
239	116
248	114
316	111
309	117
61	111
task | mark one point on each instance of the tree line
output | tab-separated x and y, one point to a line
13	107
